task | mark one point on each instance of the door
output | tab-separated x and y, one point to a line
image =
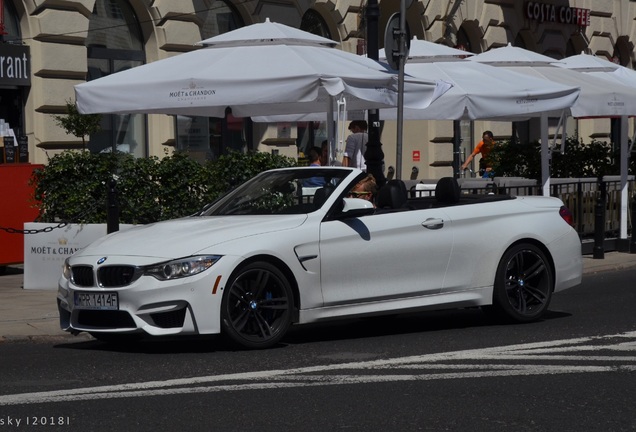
384	256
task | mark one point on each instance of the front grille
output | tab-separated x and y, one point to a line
83	276
105	319
117	276
170	319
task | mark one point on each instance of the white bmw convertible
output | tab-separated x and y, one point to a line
277	251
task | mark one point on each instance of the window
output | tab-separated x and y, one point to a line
115	43
206	138
313	22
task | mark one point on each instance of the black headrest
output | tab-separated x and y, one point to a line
392	195
321	195
447	190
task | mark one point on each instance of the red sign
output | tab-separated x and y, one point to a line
557	14
416	155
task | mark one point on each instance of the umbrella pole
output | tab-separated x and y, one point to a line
545	155
624	171
400	107
331	133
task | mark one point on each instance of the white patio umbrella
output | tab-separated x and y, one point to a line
479	91
598	97
261	69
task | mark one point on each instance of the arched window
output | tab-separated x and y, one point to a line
11	24
115	43
313	22
622	51
463	40
206	138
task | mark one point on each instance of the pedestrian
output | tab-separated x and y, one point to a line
484	148
314	161
356	145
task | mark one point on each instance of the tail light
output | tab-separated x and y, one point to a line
567	215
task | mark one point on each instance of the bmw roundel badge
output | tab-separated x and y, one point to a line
101	260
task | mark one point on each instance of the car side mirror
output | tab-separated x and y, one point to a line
356	207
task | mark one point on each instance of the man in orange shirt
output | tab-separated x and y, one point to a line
484	147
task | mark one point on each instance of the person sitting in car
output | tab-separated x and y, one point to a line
366	189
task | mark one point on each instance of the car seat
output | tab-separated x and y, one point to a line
447	190
393	195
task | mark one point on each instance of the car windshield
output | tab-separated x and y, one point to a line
290	191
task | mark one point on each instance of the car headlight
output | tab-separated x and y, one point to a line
181	268
66	270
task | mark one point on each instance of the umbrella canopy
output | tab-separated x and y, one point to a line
587	63
598	97
265	68
600	68
479	91
422	51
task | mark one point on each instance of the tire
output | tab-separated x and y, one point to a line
523	284
256	309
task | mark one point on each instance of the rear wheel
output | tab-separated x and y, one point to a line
523	284
257	306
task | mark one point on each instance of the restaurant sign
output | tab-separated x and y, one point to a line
15	65
557	14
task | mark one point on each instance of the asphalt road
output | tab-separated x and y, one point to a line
442	371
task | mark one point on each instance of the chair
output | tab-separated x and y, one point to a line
447	190
393	195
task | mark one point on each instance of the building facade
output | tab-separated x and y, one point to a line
48	46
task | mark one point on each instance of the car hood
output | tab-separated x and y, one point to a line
183	237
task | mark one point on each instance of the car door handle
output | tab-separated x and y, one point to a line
433	223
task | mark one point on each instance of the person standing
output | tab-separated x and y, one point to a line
356	145
484	148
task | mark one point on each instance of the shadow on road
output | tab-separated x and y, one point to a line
312	333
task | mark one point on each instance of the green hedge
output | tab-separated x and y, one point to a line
73	186
578	160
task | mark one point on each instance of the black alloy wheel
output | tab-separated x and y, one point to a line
523	284
257	304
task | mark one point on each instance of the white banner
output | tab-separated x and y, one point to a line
45	252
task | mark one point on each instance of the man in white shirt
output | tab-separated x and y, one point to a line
356	145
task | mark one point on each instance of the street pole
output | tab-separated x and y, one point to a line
374	156
400	109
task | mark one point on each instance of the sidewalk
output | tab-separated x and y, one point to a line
32	314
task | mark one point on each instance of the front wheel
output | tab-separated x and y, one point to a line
256	309
523	284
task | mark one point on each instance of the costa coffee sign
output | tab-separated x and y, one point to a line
557	14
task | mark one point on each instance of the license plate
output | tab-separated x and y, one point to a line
96	301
